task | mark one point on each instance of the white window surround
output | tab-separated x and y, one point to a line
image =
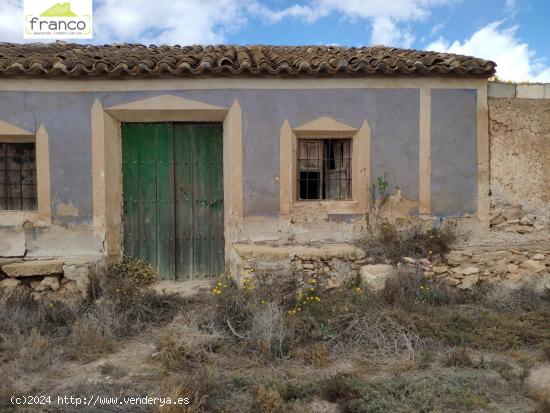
42	215
324	127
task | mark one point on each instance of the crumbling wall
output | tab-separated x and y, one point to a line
519	133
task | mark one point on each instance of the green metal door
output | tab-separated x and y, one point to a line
173	197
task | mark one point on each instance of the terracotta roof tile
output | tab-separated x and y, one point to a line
133	60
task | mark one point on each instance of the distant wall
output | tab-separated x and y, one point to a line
519	134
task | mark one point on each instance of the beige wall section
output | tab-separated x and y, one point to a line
425	154
107	157
483	171
360	167
92	85
287	168
98	167
43	215
43	191
107	178
167	108
233	175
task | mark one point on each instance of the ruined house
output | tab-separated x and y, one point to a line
205	159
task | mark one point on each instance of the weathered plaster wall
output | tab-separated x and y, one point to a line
520	150
392	114
454	152
519	132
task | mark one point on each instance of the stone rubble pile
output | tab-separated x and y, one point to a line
514	219
64	277
512	267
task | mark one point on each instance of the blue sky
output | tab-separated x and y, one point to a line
514	33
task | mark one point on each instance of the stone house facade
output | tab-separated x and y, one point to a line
205	159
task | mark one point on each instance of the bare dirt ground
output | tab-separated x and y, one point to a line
253	350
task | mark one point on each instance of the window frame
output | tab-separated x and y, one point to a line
324	127
5	186
41	215
321	158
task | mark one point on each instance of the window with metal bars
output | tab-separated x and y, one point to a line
324	169
17	176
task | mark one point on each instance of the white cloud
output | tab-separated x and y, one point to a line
11	21
209	21
386	17
515	60
167	21
147	21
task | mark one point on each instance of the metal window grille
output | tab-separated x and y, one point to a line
17	176
324	169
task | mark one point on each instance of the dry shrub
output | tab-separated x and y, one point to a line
196	385
407	287
31	331
316	355
95	286
338	388
518	300
184	343
255	313
237	307
27	353
376	335
20	312
268	332
234	307
394	244
268	400
542	406
292	389
458	358
134	271
94	333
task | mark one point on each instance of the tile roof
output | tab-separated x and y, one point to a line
133	60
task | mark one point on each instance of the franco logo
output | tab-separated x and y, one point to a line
62	20
59	10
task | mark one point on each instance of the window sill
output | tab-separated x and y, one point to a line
16	218
330	207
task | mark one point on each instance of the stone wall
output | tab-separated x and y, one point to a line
67	277
509	267
467	268
519	133
330	265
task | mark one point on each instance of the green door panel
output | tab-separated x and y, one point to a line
173	197
166	246
183	153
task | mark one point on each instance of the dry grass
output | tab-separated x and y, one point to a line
196	386
390	243
406	288
268	331
268	400
184	343
376	335
459	357
94	334
35	335
268	348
